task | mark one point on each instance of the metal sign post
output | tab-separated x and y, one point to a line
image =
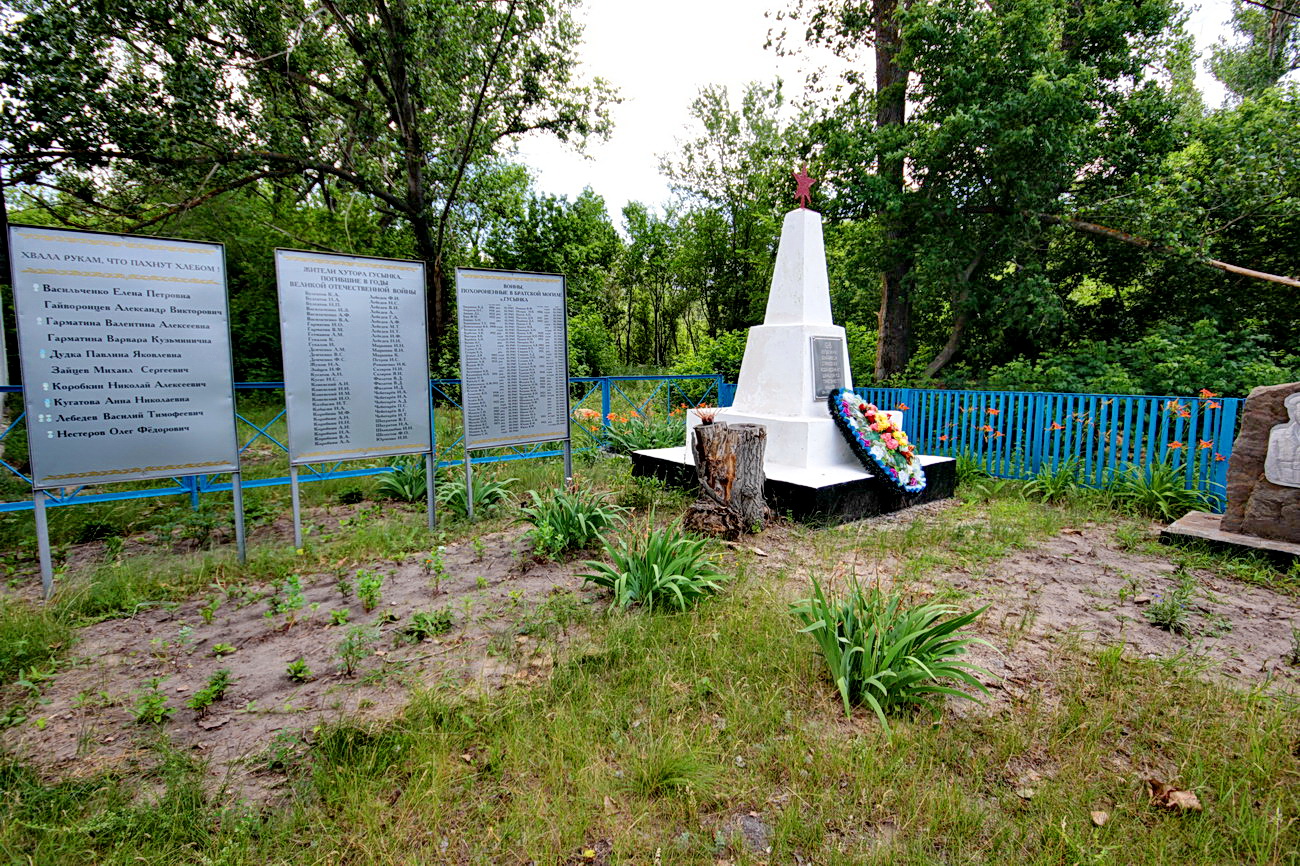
297	507
43	543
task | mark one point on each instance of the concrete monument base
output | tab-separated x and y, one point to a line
1203	526
822	494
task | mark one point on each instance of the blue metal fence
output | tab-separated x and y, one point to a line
1015	434
593	400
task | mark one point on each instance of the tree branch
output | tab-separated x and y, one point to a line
1146	243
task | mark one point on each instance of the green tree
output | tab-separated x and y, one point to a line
1266	50
137	110
730	177
979	120
654	297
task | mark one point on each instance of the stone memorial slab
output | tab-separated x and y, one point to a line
1257	504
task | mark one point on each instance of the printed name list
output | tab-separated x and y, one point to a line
355	349
125	350
514	364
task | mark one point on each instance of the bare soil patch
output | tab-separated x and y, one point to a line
512	613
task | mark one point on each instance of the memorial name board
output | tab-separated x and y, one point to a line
124	343
514	359
356	372
828	365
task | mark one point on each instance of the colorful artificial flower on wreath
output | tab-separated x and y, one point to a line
879	443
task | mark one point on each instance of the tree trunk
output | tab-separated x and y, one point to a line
893	350
729	465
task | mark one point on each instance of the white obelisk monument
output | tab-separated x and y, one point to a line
792	362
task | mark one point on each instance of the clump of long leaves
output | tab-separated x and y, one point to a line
405	482
489	493
1160	491
1053	484
568	520
640	432
887	654
657	567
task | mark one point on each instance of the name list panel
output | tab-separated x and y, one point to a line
356	374
125	350
513	357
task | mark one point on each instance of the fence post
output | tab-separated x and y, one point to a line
193	482
605	407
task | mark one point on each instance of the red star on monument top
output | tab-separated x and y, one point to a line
803	190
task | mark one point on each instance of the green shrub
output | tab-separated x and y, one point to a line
297	671
659	567
887	654
406	481
1158	491
568	520
215	690
720	355
1170	358
359	644
369	588
489	494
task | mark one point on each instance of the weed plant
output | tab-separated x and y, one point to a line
369	588
357	646
215	690
1172	612
150	706
339	616
888	654
297	671
427	624
568	520
656	567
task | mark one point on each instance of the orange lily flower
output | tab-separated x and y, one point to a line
1056	426
1219	458
1206	394
1175	444
994	411
901	407
1204	443
1213	405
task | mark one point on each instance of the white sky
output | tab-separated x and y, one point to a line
660	54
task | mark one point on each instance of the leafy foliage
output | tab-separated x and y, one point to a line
1160	491
885	653
637	432
150	706
427	624
490	494
1054	484
568	520
406	481
654	568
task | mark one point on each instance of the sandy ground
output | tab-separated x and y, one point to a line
1076	589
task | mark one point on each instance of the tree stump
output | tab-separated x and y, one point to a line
729	466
